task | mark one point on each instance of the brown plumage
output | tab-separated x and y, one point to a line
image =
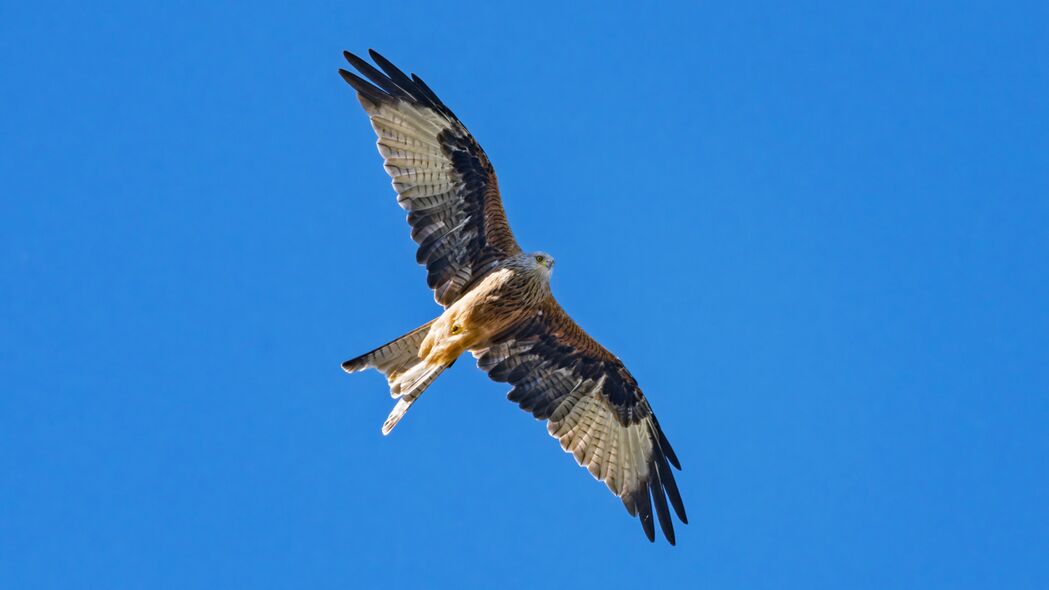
498	303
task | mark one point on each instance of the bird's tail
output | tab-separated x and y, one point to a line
407	374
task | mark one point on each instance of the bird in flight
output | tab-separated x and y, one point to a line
498	305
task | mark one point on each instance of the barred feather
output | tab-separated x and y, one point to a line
438	168
593	406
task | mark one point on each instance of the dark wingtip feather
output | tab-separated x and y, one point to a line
675	496
665	444
644	512
391	70
662	510
375	76
432	96
387	66
668	451
354	60
402	80
666	476
395	83
363	88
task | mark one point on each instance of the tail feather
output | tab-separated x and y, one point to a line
407	374
393	358
410	392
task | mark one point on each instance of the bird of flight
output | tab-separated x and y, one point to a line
498	305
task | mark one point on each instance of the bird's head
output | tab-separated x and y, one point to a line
542	262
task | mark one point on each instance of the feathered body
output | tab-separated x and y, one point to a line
511	292
498	304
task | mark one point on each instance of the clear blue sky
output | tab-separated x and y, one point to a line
817	236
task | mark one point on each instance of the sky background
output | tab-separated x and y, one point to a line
817	235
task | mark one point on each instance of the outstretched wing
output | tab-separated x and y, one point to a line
593	406
442	177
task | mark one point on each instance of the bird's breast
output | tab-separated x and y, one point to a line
501	299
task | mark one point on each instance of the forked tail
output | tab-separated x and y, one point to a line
407	374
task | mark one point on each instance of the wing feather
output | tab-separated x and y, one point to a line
442	177
593	406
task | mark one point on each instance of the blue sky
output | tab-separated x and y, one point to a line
817	236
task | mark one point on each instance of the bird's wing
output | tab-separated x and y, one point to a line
593	406
442	177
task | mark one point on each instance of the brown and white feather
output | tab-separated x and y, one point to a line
442	177
592	405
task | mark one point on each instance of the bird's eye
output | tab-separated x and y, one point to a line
539	259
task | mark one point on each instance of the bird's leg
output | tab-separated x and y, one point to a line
448	337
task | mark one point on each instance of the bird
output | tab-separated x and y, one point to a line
498	305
